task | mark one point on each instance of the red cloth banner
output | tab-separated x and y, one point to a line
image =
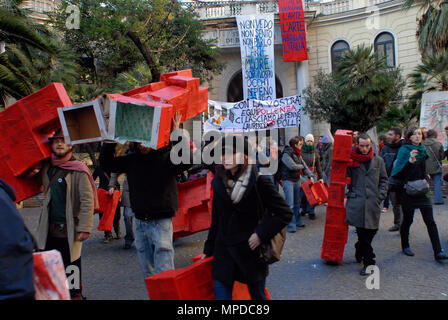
292	24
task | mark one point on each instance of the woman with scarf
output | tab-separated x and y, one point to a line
240	195
290	168
368	187
410	166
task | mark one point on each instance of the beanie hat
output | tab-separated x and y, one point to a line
309	137
326	139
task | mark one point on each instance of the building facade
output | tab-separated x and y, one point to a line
332	27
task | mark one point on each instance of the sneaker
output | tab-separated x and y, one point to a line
301	226
438	203
118	235
312	216
441	256
107	239
127	246
408	252
290	229
363	271
394	228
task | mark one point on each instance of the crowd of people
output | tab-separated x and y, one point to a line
248	208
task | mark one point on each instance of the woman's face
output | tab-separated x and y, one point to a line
299	144
416	138
309	143
232	160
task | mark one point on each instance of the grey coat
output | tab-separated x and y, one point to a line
436	155
327	157
365	193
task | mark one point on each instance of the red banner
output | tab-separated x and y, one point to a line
292	24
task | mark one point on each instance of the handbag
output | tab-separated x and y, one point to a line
417	187
271	251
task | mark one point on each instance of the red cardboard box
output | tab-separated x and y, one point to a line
336	194
335	216
108	206
336	233
343	141
332	251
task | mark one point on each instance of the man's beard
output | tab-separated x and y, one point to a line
60	154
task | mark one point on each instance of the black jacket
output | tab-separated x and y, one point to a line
290	165
232	225
151	179
16	250
389	154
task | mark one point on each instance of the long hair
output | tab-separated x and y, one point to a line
410	132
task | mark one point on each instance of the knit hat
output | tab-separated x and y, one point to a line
326	139
309	137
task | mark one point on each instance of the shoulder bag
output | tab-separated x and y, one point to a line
271	251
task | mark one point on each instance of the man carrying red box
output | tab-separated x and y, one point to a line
367	189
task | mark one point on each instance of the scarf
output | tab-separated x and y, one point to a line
308	148
403	156
236	189
358	157
75	165
297	151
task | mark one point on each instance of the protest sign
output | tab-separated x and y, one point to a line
253	115
292	26
434	114
257	56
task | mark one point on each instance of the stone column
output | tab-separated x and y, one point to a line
302	83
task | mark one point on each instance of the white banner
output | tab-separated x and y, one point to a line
434	114
253	115
257	56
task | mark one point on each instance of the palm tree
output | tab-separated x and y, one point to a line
430	75
432	31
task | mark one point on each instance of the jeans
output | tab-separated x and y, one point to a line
129	215
292	197
154	244
437	178
428	218
306	207
256	290
363	247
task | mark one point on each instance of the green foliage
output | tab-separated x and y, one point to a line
432	31
357	93
170	36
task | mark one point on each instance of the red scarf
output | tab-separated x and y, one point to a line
297	151
75	165
358	157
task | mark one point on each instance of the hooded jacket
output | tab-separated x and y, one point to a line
389	154
16	250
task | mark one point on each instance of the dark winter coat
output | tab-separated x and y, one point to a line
389	154
367	189
327	157
232	225
151	179
16	250
311	158
291	165
436	155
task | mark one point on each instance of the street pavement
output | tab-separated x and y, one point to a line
112	273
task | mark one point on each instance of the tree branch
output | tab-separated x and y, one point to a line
155	72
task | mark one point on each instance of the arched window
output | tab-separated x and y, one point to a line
384	46
337	50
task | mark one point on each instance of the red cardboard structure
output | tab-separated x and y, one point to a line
191	283
27	124
194	282
108	206
180	89
316	193
335	236
195	207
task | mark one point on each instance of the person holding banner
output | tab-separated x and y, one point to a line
240	197
70	199
290	166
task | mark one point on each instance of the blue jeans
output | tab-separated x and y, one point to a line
437	178
154	244
306	207
128	215
292	197
256	290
